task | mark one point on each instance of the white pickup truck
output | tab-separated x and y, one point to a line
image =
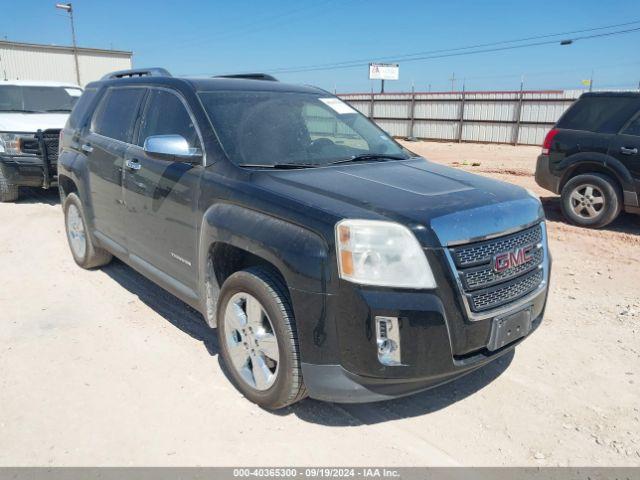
31	117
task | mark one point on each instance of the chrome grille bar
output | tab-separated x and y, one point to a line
485	289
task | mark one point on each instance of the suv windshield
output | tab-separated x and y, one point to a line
29	99
285	128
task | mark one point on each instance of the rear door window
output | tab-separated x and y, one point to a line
165	114
117	113
599	114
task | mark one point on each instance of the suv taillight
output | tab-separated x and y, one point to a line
548	140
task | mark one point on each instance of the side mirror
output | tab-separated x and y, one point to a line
171	147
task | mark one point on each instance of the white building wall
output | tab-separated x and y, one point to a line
19	61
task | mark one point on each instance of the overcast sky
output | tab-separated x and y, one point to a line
211	37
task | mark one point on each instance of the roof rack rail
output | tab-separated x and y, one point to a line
250	76
138	72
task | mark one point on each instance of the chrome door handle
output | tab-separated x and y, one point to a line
133	164
628	151
86	148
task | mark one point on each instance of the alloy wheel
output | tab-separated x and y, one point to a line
251	341
75	231
587	201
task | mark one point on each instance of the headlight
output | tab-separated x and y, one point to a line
10	143
372	252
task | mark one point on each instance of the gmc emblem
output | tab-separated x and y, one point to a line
513	258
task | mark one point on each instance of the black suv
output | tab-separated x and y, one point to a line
333	262
592	158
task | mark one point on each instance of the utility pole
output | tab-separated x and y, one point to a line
453	82
382	86
67	7
591	81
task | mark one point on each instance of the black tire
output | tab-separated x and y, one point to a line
266	287
92	256
8	191
62	195
601	209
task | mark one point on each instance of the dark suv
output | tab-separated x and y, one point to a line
333	262
592	158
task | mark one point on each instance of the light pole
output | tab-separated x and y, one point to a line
67	7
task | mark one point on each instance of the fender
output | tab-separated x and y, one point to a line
615	166
74	165
298	253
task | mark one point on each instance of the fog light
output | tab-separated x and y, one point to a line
388	340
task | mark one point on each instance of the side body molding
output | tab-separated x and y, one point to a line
298	253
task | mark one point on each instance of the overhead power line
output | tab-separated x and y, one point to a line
474	49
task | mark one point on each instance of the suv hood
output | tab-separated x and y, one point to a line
454	205
31	122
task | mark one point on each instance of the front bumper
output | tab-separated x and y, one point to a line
438	345
333	383
27	171
544	177
441	338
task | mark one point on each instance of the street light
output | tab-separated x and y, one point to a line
67	7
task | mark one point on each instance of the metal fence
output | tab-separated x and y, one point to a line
515	117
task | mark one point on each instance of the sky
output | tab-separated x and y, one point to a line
201	38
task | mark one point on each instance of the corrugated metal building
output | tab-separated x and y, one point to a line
517	117
28	61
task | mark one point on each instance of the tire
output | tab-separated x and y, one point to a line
8	191
248	346
62	195
85	253
591	200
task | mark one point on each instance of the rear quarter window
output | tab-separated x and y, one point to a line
599	114
80	109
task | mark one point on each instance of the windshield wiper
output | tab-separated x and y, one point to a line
368	156
278	165
59	110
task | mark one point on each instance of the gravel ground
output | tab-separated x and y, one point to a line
105	368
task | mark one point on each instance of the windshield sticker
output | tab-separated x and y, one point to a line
73	92
338	105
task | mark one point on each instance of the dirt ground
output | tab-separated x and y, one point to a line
105	368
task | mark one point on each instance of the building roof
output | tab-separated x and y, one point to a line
41	46
38	83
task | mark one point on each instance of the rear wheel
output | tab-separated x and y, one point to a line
8	191
591	200
84	252
257	338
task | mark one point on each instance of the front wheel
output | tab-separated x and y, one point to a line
591	200
257	338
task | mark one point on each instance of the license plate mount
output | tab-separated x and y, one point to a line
509	328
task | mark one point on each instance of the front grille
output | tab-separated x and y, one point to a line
486	288
482	252
484	275
51	141
502	294
50	138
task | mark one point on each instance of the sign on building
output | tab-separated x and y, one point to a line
384	71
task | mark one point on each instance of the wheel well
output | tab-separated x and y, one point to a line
591	168
227	259
67	185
